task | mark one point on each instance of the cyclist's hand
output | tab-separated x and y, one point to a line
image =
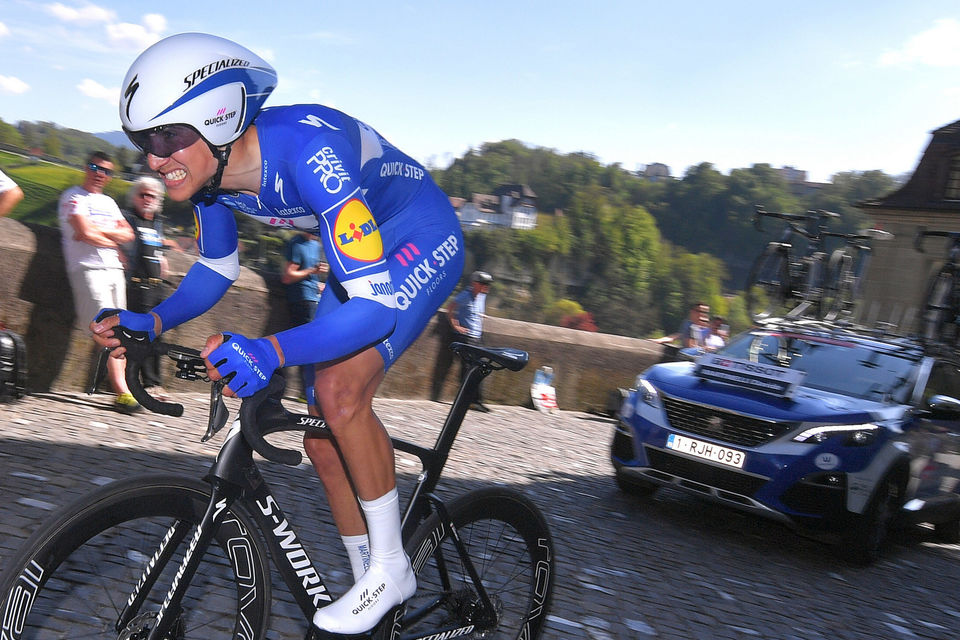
102	327
244	364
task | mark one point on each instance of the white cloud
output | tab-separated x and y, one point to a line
9	84
88	14
938	46
155	23
4	30
131	36
93	89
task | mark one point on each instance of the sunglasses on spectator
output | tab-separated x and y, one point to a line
98	169
165	140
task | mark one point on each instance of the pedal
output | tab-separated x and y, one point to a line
389	622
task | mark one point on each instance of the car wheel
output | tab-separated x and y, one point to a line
867	536
948	532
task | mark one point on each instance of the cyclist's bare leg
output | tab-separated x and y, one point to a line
343	503
345	393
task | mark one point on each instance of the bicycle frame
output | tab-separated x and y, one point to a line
234	477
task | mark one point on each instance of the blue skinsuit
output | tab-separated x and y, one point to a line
391	237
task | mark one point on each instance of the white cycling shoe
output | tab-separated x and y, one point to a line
368	601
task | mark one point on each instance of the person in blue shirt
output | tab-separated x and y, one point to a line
193	104
464	318
301	279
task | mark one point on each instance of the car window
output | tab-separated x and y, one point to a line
838	366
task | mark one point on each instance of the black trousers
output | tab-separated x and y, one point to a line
444	360
141	297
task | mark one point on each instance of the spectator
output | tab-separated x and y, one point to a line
464	323
717	338
301	277
693	331
10	194
92	230
146	265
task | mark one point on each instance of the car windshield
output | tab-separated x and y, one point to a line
837	366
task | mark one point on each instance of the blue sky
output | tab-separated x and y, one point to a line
821	86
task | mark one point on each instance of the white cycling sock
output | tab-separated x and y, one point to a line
389	580
358	550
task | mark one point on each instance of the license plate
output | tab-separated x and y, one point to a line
705	450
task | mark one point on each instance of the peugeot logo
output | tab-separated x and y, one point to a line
715	423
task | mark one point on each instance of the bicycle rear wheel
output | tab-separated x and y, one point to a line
80	570
508	543
838	290
939	317
768	286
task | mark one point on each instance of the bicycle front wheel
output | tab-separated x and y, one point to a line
769	291
102	568
940	312
508	544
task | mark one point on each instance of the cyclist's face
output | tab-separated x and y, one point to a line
185	171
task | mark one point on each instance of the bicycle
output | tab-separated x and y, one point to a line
781	284
167	557
846	270
942	301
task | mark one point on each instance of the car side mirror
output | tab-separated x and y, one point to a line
944	407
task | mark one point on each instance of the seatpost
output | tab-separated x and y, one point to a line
434	464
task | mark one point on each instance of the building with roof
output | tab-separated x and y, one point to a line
512	205
896	284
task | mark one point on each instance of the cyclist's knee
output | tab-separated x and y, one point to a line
345	391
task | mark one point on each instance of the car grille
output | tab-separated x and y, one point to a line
708	474
724	426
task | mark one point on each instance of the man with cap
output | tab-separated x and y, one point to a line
464	324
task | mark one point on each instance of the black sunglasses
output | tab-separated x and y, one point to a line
165	140
98	169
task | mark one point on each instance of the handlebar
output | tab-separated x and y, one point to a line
923	233
792	218
190	366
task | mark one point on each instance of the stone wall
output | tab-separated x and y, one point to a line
36	301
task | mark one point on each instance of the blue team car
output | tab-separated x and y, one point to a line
837	432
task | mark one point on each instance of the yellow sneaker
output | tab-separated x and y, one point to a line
126	403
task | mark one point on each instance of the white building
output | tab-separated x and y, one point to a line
513	206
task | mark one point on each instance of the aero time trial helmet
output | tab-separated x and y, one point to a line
212	85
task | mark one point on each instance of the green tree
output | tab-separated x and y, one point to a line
51	144
10	135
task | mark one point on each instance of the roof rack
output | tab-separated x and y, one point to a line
885	331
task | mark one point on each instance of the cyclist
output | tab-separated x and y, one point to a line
192	103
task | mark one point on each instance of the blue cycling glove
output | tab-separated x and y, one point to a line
141	322
246	365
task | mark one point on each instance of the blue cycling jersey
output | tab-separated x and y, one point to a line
392	240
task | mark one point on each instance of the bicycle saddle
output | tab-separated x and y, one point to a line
512	359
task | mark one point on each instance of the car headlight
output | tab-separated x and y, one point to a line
857	435
648	393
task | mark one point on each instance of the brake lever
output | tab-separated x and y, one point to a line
219	414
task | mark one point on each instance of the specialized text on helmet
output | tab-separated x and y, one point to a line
191	78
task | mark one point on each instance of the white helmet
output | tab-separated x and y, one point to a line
204	81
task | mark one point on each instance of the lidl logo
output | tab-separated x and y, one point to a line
356	234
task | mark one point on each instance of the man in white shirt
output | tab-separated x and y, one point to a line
10	194
92	229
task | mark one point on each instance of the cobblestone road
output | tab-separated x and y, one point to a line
669	567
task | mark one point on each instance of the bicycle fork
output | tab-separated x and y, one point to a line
168	613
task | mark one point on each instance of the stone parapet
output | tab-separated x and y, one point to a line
36	301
